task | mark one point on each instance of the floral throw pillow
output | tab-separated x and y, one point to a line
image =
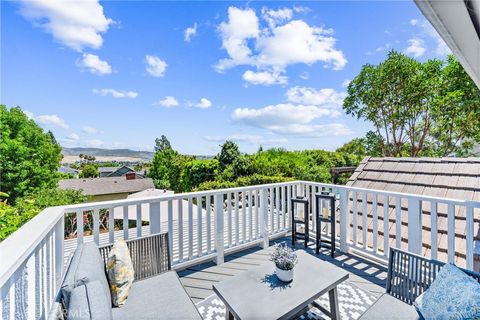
120	272
452	295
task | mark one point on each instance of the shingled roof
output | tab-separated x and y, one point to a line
454	178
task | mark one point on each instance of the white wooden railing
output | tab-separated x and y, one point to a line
438	228
210	224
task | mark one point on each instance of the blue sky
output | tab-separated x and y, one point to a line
117	74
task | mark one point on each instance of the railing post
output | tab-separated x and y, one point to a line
154	217
219	228
414	225
59	250
264	218
344	227
469	237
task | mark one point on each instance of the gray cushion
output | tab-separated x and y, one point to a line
86	265
159	297
88	302
388	307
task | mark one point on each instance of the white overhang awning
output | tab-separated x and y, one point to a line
458	23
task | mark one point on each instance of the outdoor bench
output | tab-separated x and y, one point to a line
409	275
156	293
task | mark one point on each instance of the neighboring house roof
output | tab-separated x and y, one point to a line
107	169
120	171
456	178
67	170
106	185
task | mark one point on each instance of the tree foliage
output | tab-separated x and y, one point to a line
28	206
456	115
231	168
162	144
370	145
29	157
89	171
429	108
229	153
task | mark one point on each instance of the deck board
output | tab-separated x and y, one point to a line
198	280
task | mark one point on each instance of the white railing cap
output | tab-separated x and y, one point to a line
17	248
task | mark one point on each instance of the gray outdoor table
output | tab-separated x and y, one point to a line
258	294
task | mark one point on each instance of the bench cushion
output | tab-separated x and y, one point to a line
88	302
86	265
159	297
452	295
388	307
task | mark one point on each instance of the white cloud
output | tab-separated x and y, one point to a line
428	32
247	138
326	97
346	82
278	44
300	9
76	24
281	114
73	137
264	77
204	103
53	120
290	119
385	47
89	129
274	17
304	75
313	130
299	115
94	64
115	93
168	102
156	67
416	47
306	45
190	32
241	26
29	114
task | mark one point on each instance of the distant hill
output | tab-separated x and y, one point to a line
107	154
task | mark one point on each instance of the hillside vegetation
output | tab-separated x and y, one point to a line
231	168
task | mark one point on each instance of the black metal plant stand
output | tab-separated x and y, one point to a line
304	222
331	219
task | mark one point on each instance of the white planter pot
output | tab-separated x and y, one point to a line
284	275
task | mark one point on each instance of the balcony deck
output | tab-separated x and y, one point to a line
222	224
198	280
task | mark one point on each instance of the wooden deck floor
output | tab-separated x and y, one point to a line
198	280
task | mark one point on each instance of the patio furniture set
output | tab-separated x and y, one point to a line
157	292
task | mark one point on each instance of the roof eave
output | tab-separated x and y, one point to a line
458	23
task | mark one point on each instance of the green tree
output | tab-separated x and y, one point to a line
456	116
370	145
28	206
159	170
29	157
196	172
228	154
415	106
162	144
89	171
355	146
